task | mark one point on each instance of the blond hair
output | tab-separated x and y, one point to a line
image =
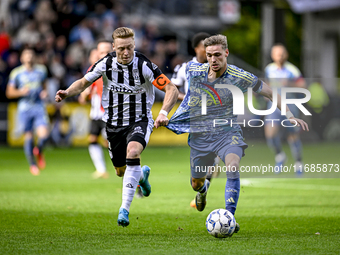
215	40
123	32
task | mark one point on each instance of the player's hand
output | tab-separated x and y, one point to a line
82	99
43	94
61	95
85	95
161	120
299	123
24	91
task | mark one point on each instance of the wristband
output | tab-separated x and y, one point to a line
163	112
289	114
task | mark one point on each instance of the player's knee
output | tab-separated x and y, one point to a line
28	135
133	153
134	149
233	166
292	137
93	139
270	131
42	132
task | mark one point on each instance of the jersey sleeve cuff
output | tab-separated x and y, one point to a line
258	87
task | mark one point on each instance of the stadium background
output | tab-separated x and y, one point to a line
65	211
63	32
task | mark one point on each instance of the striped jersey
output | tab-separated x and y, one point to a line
128	90
179	75
189	118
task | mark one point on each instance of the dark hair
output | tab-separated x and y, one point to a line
279	44
198	38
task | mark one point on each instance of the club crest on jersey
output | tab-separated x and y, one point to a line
135	74
154	66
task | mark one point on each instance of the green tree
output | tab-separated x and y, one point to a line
244	37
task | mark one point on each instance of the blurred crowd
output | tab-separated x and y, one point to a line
64	31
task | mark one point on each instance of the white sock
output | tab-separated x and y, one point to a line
280	157
130	181
141	176
97	156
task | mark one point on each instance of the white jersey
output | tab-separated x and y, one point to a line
128	91
97	111
96	91
179	76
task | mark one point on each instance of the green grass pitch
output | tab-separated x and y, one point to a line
64	211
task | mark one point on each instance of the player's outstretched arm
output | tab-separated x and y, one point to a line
298	122
84	96
181	96
170	99
12	92
44	93
268	92
76	88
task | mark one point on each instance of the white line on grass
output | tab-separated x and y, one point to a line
285	184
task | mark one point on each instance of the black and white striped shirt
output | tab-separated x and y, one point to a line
128	90
179	77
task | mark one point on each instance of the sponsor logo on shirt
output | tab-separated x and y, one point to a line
125	90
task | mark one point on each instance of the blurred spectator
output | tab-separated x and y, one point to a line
137	25
69	14
160	48
5	39
28	34
75	54
152	34
44	14
49	47
20	11
62	32
75	57
4	12
97	16
60	45
12	60
58	72
171	52
57	68
83	33
3	80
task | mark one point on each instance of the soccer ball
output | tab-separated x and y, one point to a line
220	223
